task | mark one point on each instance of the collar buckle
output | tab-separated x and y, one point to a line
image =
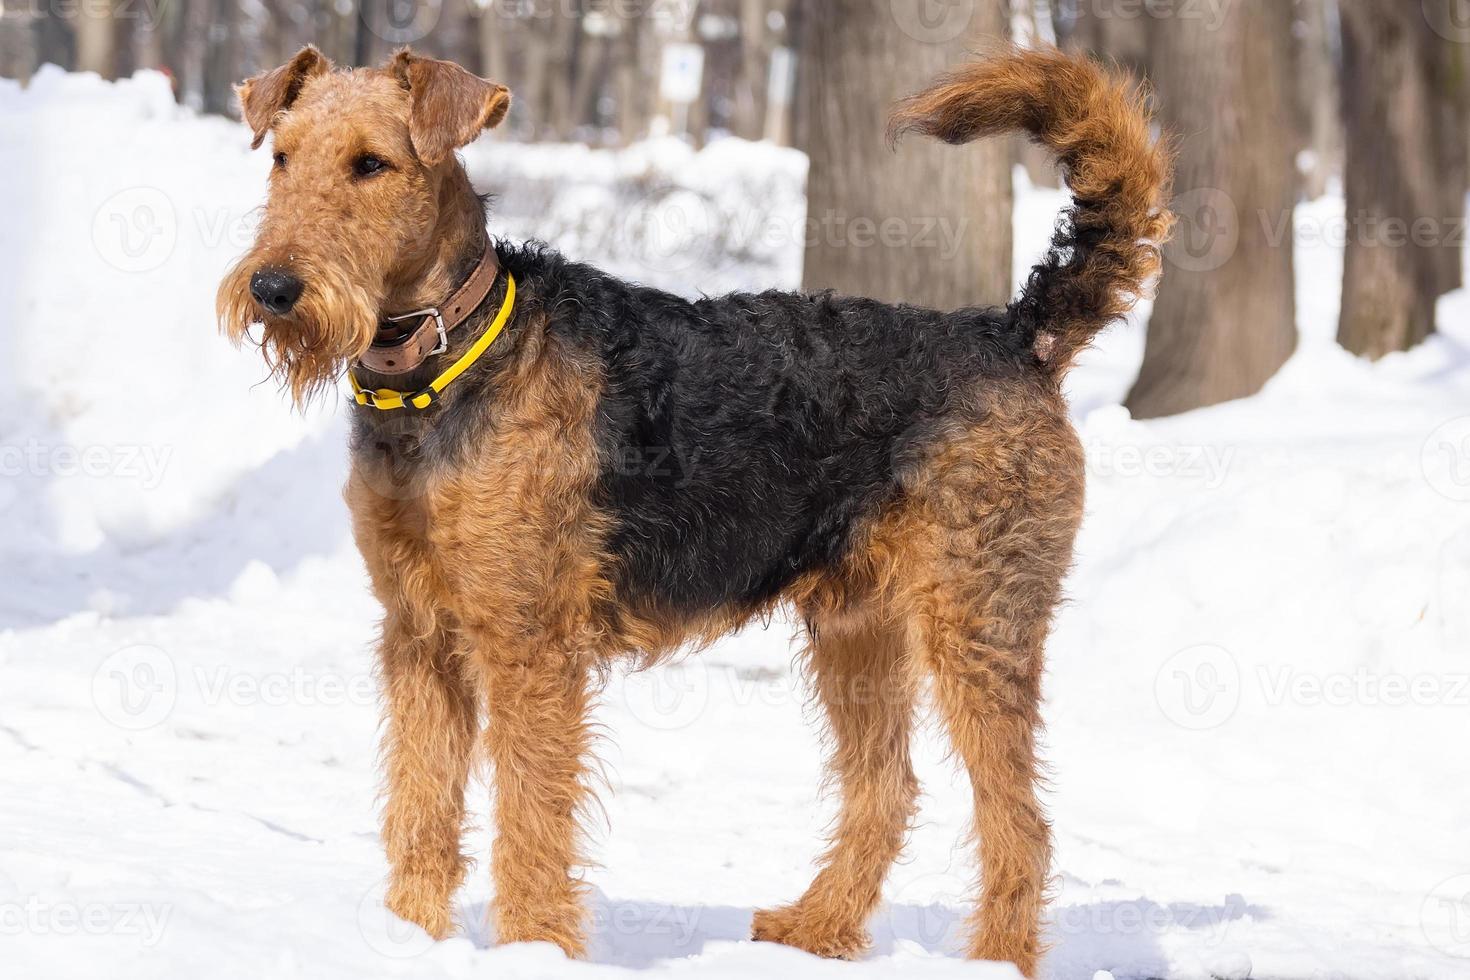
432	311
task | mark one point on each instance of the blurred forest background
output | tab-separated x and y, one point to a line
1270	102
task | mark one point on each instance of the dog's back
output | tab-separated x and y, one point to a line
745	438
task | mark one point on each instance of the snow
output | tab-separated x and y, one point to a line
1257	697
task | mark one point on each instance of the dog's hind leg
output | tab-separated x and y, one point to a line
861	676
429	740
990	538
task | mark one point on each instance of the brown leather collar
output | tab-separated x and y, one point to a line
399	350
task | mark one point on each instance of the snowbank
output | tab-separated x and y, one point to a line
1257	699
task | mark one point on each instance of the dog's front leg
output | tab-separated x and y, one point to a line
538	740
428	741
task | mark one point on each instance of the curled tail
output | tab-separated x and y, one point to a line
1105	255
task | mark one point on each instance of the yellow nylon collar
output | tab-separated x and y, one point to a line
386	399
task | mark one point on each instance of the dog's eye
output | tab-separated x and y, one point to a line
280	159
367	165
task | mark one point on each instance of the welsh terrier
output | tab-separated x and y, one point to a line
906	480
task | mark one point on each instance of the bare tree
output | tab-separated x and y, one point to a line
1398	106
1319	102
634	77
930	224
1225	317
1122	32
96	39
1449	81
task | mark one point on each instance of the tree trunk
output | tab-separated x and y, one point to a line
634	80
1319	100
18	46
748	119
1394	268
220	68
96	39
562	58
1224	322
930	224
1449	65
1120	32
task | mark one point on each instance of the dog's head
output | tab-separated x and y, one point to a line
364	174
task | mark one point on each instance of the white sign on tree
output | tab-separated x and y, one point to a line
683	73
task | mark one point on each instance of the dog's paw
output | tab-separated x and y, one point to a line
423	902
823	935
561	923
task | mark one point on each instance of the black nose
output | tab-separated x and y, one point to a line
275	290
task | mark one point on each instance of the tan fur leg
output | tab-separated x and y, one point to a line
862	678
988	691
988	537
538	739
429	739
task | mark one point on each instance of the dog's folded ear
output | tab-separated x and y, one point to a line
448	106
265	95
